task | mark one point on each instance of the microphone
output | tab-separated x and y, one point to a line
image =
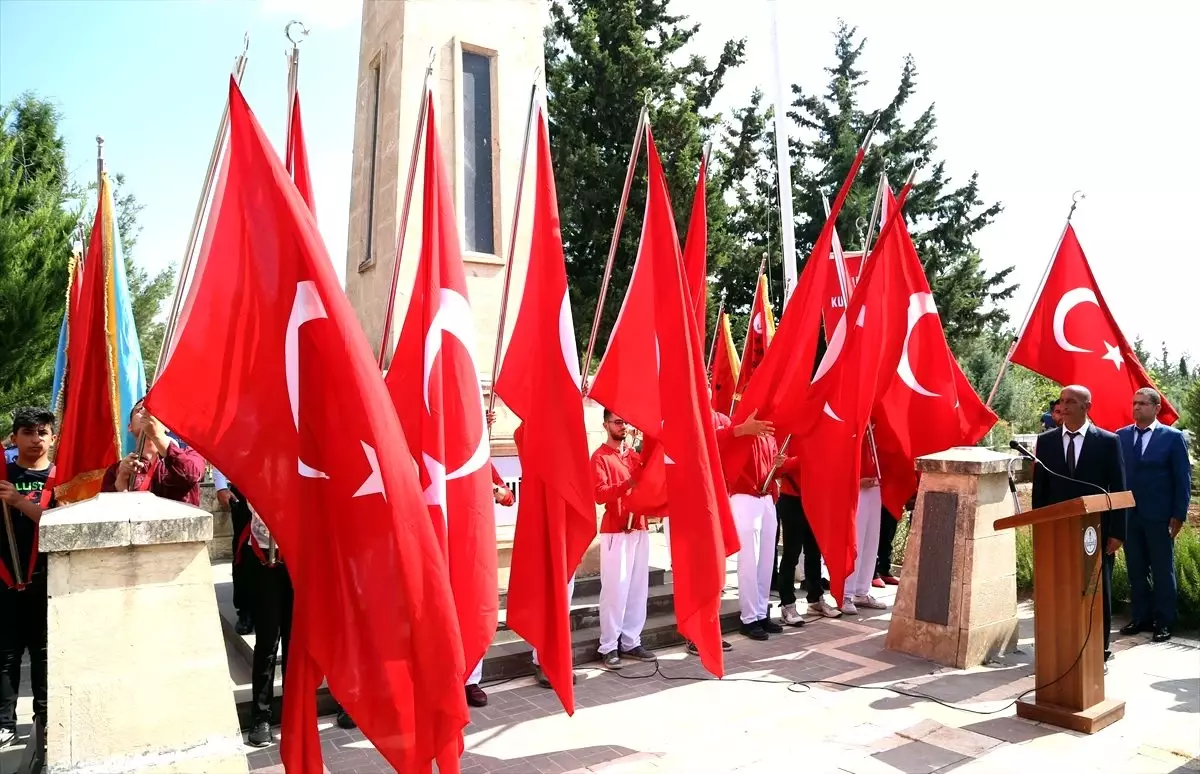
1024	452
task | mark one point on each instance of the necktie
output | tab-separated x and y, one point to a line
1071	438
1141	434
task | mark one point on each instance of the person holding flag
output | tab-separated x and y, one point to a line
165	468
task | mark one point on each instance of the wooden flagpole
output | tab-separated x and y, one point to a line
422	116
1075	199
643	117
512	242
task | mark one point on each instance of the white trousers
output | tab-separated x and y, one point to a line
858	584
757	530
476	674
570	595
624	589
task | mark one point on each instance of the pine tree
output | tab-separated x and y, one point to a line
603	59
944	217
37	217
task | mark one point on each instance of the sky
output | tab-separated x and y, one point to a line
1042	100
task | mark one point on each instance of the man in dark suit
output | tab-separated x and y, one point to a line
1080	450
1156	460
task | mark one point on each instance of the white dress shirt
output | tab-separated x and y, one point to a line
1066	439
1146	432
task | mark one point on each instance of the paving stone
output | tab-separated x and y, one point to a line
918	758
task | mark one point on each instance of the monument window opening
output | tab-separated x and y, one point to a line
368	257
478	141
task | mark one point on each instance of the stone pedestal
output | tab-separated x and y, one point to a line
138	677
957	600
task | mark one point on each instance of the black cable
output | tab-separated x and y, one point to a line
801	686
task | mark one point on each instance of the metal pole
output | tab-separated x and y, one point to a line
99	161
18	574
239	68
1075	199
512	241
712	350
616	237
783	163
422	116
776	466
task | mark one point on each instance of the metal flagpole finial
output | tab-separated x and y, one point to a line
245	43
432	56
1076	198
287	32
99	158
870	132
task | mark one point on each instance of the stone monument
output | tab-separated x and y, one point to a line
957	602
486	56
138	676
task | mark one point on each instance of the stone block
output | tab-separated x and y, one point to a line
138	675
962	609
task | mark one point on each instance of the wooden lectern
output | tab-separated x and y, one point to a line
1068	611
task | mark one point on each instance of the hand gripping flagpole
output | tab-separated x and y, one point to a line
643	120
422	116
1075	199
239	69
512	241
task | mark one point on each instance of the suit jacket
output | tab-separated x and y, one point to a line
1161	479
1101	463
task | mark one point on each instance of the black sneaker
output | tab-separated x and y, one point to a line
754	631
244	625
691	647
260	736
611	660
770	627
725	646
1135	628
1161	634
639	654
344	720
540	676
7	737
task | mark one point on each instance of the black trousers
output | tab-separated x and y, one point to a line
887	536
239	514
22	628
272	628
797	536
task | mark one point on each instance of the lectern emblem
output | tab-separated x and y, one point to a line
1090	541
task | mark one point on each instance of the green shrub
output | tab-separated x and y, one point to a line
1024	559
900	542
1187	580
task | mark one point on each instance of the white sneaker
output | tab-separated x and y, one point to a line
7	737
869	602
824	608
848	607
790	617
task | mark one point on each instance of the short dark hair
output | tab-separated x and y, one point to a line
31	418
608	415
1054	403
137	404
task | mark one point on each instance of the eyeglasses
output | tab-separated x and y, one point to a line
617	422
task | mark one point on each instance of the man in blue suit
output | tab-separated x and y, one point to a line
1156	464
1081	459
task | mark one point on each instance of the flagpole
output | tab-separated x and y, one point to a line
712	350
762	267
512	241
1075	199
876	208
18	575
239	68
642	122
293	84
422	116
783	163
839	261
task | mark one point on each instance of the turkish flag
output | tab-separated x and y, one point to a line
539	382
928	406
725	367
695	250
702	530
297	157
759	333
835	302
858	362
1072	338
630	357
434	384
291	406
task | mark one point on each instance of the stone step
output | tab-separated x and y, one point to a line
585	607
590	586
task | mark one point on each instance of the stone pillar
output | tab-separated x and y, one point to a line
957	600
138	677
